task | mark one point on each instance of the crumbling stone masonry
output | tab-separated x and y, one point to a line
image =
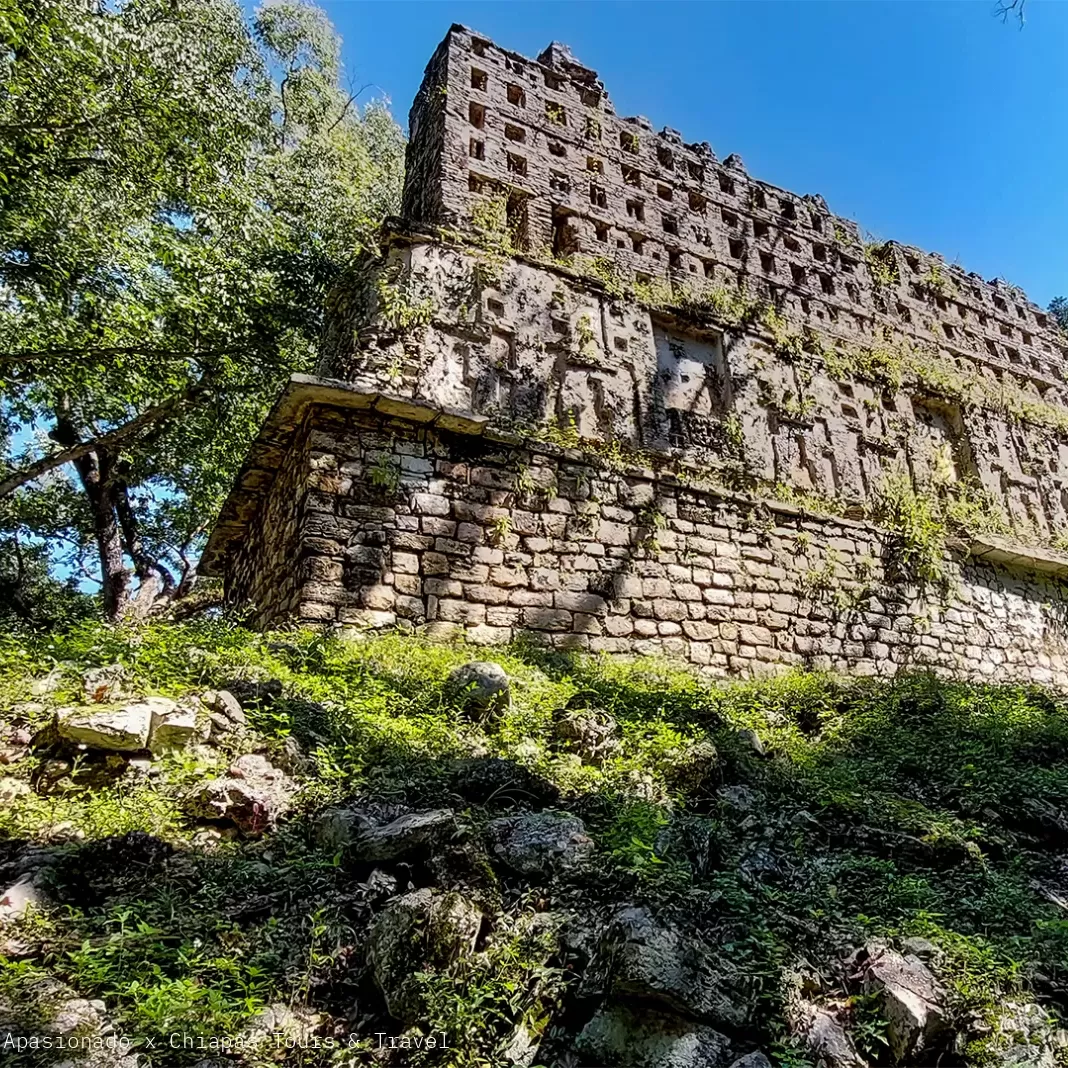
603	389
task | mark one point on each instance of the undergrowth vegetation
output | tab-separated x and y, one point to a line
915	807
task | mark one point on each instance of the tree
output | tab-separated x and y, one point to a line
178	189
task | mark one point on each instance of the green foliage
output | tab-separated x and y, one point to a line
882	264
384	473
918	531
181	188
479	1003
403	304
500	528
30	597
587	339
936	281
489	221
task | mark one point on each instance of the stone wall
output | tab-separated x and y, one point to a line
470	535
263	564
539	345
672	210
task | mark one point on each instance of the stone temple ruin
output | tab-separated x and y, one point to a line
606	391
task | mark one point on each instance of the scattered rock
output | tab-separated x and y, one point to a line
694	766
12	788
338	827
752	741
1024	1037
19	898
740	798
416	831
486	780
590	732
913	1001
379	885
540	843
253	796
481	687
224	712
424	930
655	961
756	1059
280	1021
825	1036
462	864
16	745
102	685
226	705
647	1038
175	726
121	730
47	684
81	1024
923	948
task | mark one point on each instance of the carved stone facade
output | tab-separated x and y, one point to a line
577	328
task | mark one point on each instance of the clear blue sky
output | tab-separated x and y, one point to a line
931	123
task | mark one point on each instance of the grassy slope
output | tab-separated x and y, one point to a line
913	807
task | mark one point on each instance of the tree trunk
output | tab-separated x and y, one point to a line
94	473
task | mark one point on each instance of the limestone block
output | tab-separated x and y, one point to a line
124	729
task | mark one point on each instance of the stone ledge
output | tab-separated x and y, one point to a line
994	550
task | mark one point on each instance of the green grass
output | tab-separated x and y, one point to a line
915	807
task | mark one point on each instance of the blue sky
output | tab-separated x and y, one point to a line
931	123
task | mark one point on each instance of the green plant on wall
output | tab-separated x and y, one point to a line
651	522
499	529
588	349
384	473
935	280
882	264
489	221
917	546
403	302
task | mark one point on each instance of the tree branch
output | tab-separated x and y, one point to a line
1004	9
120	350
120	434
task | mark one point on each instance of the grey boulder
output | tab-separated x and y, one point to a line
911	999
425	930
102	685
824	1035
175	726
124	729
540	843
648	1038
480	686
654	961
252	797
410	833
590	732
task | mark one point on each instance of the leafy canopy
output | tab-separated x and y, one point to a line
178	189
